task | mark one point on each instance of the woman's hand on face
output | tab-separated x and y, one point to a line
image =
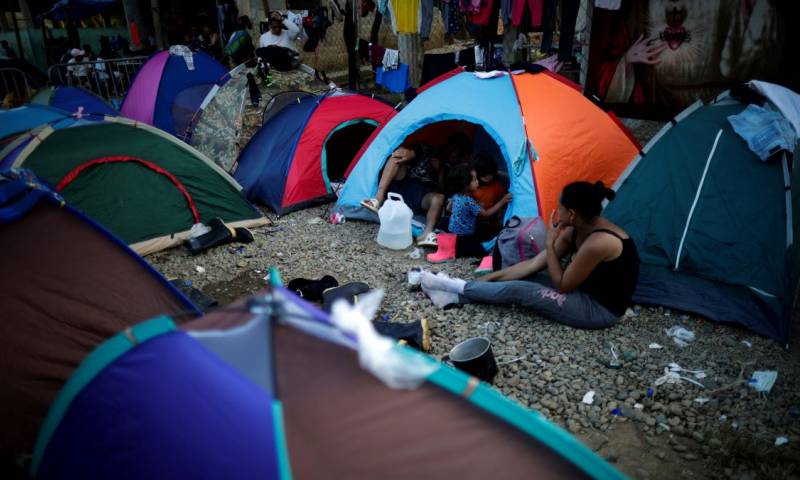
554	231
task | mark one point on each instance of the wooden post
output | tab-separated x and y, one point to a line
410	48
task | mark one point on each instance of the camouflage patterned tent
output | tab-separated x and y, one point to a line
218	124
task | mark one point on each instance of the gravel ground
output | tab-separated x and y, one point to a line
549	367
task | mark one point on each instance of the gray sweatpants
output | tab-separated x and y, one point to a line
576	309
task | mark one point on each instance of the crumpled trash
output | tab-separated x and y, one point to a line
763	380
200	269
747	344
781	441
655	346
415	254
681	336
336	218
672	374
588	399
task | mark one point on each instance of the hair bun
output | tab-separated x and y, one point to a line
603	192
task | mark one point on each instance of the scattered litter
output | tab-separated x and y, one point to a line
672	374
258	271
516	359
630	313
734	424
655	346
763	380
617	412
200	269
336	218
781	441
614	362
681	336
650	392
702	400
415	254
664	426
588	399
638	406
723	417
700	375
747	344
314	221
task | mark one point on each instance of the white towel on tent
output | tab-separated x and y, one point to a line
185	52
785	100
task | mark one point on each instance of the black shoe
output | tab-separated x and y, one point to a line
415	334
348	291
220	234
242	235
311	290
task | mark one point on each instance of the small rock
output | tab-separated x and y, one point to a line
691	457
680	448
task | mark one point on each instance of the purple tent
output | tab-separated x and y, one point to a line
169	89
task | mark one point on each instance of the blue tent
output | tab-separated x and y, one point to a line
241	395
74	100
169	89
18	120
489	104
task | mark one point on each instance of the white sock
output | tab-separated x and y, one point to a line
440	298
442	282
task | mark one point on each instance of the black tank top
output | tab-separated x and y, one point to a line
611	284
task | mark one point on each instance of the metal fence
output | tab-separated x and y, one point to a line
109	79
15	86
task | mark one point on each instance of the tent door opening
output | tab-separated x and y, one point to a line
341	147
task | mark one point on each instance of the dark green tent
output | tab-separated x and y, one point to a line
712	222
144	185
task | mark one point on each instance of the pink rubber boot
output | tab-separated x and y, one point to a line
486	265
446	252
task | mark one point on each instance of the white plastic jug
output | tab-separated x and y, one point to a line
395	216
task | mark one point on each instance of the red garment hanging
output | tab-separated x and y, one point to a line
484	14
534	10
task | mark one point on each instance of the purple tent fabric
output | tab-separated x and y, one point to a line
144	90
165	408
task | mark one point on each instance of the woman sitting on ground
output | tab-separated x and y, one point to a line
592	291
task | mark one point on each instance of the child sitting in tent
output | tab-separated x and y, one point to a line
489	191
462	241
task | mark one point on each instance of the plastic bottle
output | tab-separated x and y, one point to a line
395	217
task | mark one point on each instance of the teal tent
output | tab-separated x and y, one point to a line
712	222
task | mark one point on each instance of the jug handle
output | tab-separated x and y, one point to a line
395	196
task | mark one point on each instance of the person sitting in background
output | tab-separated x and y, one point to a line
281	33
77	69
278	45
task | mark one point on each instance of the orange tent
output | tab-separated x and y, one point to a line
571	139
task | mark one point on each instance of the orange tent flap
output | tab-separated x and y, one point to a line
572	138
